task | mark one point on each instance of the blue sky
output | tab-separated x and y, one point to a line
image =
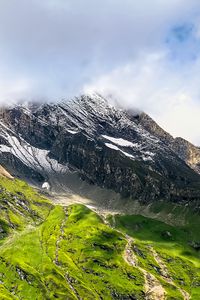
141	54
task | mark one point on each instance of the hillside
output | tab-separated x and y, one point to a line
54	252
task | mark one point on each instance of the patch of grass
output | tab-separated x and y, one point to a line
172	243
20	205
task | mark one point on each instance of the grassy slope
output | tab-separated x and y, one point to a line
51	252
172	245
60	253
20	206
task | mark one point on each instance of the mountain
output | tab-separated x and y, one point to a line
114	212
88	141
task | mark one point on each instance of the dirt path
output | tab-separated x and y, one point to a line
129	256
165	274
153	288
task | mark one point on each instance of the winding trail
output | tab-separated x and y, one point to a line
153	288
165	274
129	256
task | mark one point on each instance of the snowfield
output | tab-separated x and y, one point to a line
139	153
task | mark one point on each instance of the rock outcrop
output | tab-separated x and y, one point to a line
184	149
4	173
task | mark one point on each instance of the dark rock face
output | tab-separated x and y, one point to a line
127	153
184	149
19	169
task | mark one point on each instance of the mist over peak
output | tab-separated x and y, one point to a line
143	54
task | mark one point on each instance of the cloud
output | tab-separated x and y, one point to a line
145	53
154	84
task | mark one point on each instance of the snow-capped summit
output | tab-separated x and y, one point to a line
88	138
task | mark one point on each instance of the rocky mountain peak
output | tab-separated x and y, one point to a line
184	149
100	144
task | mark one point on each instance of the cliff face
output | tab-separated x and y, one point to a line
184	149
127	153
188	152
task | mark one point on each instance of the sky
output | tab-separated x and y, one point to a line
139	54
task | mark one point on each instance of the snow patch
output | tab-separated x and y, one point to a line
72	131
37	159
111	146
141	154
119	141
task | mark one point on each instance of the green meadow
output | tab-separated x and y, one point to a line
54	252
176	246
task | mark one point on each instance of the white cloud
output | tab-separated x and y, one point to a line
13	90
153	84
56	48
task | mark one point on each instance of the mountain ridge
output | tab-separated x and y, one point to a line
103	145
183	148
